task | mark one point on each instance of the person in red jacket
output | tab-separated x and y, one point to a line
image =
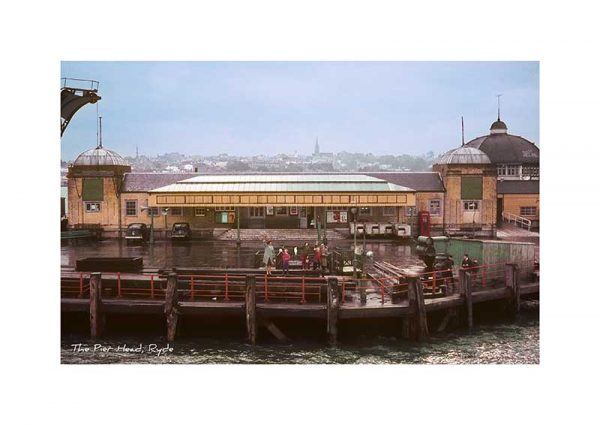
285	257
317	259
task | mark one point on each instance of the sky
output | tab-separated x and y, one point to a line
251	108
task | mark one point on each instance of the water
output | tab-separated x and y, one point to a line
212	253
493	341
490	343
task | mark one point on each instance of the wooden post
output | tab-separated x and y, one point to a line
465	288
513	282
251	308
96	313
171	306
333	303
418	323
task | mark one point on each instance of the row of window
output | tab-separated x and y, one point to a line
518	170
435	208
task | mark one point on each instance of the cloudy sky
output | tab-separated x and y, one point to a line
250	108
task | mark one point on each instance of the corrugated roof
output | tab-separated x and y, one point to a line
282	178
418	181
518	187
292	186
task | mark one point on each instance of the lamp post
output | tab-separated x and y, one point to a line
354	210
164	213
151	212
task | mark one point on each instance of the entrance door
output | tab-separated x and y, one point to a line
256	218
471	211
499	210
303	220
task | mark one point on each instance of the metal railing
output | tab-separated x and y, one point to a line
518	220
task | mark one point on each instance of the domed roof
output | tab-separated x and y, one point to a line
99	157
464	155
504	148
498	126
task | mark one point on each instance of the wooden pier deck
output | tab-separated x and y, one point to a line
260	299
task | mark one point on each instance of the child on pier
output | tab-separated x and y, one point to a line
285	257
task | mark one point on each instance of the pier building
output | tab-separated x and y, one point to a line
470	190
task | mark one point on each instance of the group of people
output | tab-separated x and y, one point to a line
317	255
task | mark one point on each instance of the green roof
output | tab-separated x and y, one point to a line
283	183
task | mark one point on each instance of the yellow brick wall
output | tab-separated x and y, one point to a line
453	208
512	203
109	208
422	203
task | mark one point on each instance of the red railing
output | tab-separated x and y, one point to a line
299	289
215	287
113	285
75	287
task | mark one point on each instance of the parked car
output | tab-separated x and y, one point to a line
137	232
181	232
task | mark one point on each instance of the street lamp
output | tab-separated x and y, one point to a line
354	210
151	212
164	213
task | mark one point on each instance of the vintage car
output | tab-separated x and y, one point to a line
136	233
181	232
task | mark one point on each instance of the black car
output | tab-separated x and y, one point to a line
137	232
181	232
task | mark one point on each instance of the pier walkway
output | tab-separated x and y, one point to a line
243	293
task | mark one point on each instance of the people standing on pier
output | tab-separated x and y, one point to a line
305	252
269	257
317	258
324	253
285	258
466	262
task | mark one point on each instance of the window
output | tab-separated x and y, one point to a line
131	208
152	211
293	210
435	207
257	212
92	207
411	211
531	171
364	211
221	209
528	211
389	211
280	210
176	211
224	217
471	205
511	170
199	212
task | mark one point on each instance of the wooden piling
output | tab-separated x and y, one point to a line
513	282
466	292
333	304
96	311
171	306
418	328
251	309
